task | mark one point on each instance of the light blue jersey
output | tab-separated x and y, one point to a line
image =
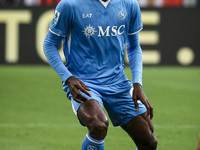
95	37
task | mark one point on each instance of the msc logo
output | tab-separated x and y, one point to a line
108	31
89	31
111	31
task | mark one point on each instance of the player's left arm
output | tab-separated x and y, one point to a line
135	60
135	57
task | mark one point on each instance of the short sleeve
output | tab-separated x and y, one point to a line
62	20
135	19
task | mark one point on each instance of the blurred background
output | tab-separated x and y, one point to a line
143	3
170	36
34	111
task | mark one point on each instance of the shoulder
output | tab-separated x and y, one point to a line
133	5
131	2
69	2
66	5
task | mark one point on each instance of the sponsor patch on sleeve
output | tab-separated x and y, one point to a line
55	18
56	15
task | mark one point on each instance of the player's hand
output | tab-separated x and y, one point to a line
138	94
75	85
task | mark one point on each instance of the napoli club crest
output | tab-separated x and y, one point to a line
122	14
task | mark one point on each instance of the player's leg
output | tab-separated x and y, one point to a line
93	116
140	129
135	123
198	145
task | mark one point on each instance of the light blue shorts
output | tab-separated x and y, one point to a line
119	106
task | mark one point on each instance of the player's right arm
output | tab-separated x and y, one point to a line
61	23
51	43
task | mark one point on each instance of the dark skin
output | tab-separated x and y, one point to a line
140	129
75	85
198	146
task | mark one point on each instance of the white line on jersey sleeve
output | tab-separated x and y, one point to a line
135	32
56	33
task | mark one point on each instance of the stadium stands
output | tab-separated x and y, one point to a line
49	2
169	3
29	2
143	3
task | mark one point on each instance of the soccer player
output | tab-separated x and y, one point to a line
94	34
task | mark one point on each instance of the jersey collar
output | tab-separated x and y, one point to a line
105	4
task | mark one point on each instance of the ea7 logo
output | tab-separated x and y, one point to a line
87	15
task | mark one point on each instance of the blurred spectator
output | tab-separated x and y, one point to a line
31	2
158	3
49	2
155	3
151	3
189	3
143	3
10	2
173	3
161	3
147	3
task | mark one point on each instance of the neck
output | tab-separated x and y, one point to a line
105	0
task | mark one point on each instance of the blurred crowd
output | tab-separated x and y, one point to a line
29	2
169	3
143	3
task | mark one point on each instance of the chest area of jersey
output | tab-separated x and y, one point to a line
97	21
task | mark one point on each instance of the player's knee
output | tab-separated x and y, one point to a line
98	129
152	143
